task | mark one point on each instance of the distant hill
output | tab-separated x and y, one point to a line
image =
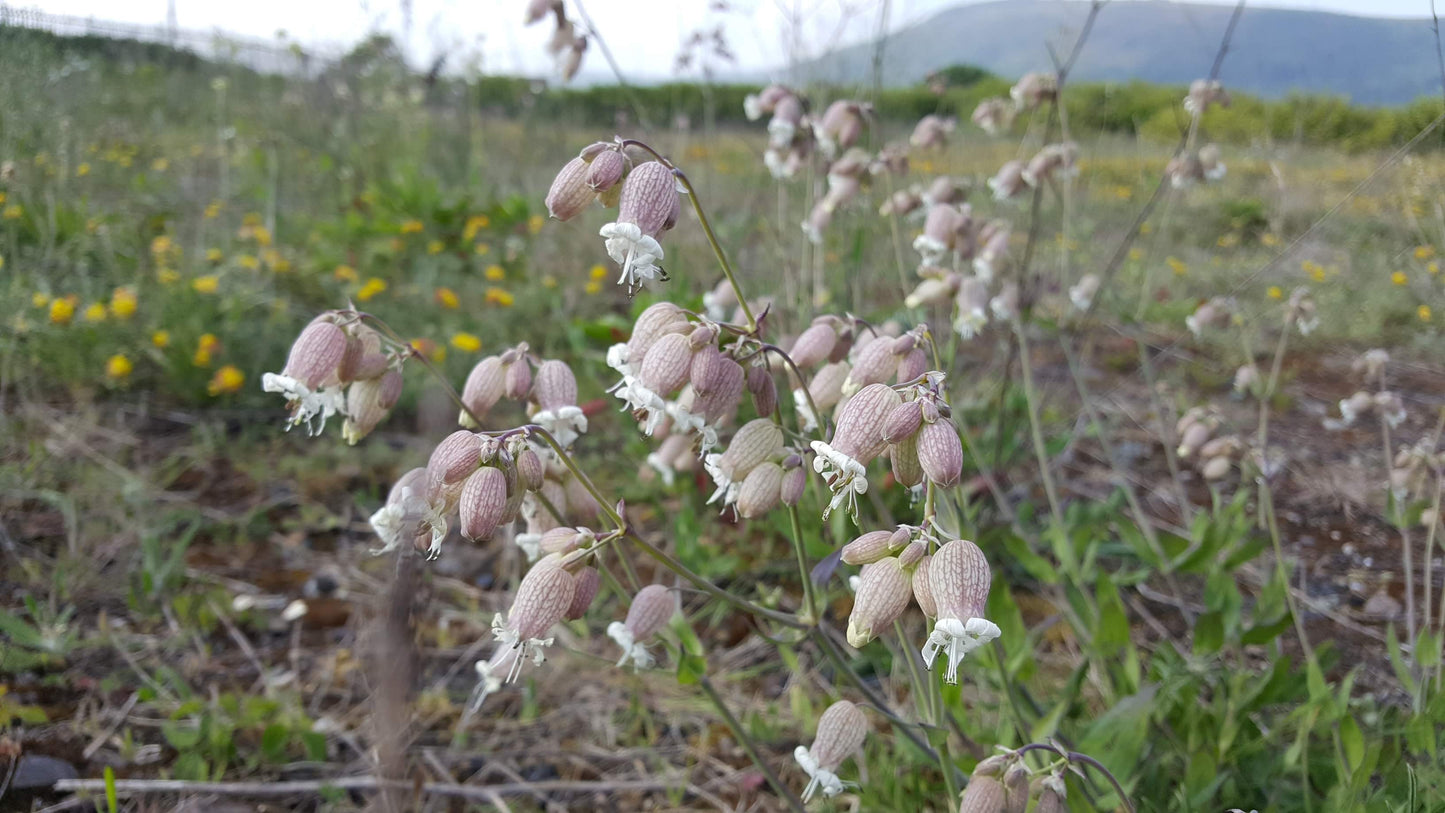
1371	61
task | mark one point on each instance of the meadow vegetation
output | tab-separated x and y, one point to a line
189	593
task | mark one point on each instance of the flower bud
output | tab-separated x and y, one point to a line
757	441
876	364
985	794
484	387
651	325
530	470
554	386
455	458
903	422
1008	182
912	554
826	388
518	380
563	539
667	364
570	193
651	609
911	365
903	459
1053	795
363	358
795	482
940	453
923	589
368	401
588	583
860	423
1216	468
483	502
316	355
868	548
883	591
764	390
813	345
761	490
606	170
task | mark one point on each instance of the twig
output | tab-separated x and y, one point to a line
110	730
134	787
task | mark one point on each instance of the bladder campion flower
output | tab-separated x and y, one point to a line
118	367
841	730
227	380
649	205
650	611
959	578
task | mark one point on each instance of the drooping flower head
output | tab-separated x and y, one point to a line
651	609
649	205
841	730
959	579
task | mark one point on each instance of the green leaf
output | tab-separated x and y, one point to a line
112	801
691	669
1112	629
273	742
1353	742
1402	671
315	744
181	736
1209	633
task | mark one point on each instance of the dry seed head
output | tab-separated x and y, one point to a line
841	730
860	422
666	366
456	457
883	591
543	598
649	198
923	589
813	345
316	355
588	582
757	441
570	193
606	170
940	453
868	548
761	490
483	503
903	421
554	386
484	387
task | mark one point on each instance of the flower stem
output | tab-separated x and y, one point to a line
810	608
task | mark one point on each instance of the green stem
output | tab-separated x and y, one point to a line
810	607
792	800
713	590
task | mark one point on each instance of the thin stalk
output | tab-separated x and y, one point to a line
791	799
1267	507
1405	540
1036	433
915	679
897	237
810	609
713	590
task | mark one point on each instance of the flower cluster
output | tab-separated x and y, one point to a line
566	46
339	366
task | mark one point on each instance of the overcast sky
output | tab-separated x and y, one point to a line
644	34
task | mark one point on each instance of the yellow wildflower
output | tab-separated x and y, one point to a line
1229	240
1135	255
61	311
227	380
1399	278
1176	265
95	312
411	226
430	349
39	299
475	223
345	273
160	165
1269	239
12	212
206	285
248	262
1274	292
435	247
261	235
162	245
1424	252
213	209
593	287
466	342
483	249
598	272
372	287
117	367
1432	267
448	298
535	223
495	273
123	303
497	296
166	276
213	255
549	281
82	170
1146	228
1423	312
208	342
161	339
